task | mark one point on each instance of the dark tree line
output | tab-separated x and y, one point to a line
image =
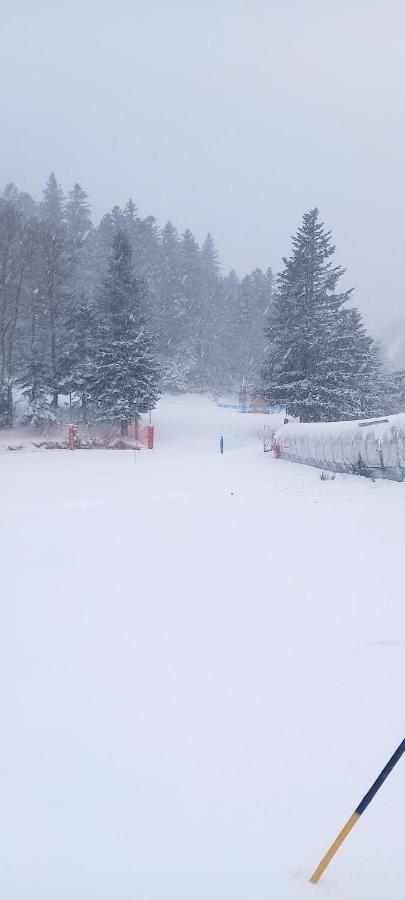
205	331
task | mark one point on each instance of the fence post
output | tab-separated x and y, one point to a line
72	435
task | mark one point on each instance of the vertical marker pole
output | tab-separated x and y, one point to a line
357	813
221	444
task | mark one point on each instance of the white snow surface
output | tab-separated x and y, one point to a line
202	669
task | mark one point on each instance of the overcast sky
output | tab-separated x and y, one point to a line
233	117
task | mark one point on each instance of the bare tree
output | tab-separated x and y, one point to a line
15	254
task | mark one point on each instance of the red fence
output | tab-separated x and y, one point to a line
144	434
141	434
78	436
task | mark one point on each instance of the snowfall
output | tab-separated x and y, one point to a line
202	670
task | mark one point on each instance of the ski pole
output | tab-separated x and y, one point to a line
357	813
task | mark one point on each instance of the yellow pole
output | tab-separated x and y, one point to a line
364	803
334	848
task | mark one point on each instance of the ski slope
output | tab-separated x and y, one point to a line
202	669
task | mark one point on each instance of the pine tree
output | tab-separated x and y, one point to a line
53	203
75	364
209	317
397	391
35	377
34	387
21	200
84	274
149	237
188	309
111	223
56	288
319	361
169	293
130	214
131	224
232	337
78	216
124	377
249	304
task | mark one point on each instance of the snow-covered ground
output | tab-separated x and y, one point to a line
202	670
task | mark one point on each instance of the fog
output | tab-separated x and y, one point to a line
228	117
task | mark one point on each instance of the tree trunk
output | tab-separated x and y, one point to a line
10	406
124	428
52	322
55	395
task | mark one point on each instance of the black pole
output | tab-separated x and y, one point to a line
357	813
381	778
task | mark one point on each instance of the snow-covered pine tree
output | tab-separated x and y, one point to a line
77	215
150	251
180	284
231	287
125	375
169	289
182	370
39	412
319	359
34	377
52	208
75	364
247	319
57	269
210	319
105	233
131	224
190	263
110	223
170	305
356	378
56	288
397	391
84	275
131	214
21	200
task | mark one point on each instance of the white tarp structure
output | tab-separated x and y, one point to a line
374	446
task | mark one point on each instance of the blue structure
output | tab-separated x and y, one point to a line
253	409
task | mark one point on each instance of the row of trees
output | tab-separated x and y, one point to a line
207	329
109	315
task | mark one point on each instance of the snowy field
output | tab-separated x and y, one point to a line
202	670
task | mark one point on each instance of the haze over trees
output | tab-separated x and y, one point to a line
203	331
112	315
